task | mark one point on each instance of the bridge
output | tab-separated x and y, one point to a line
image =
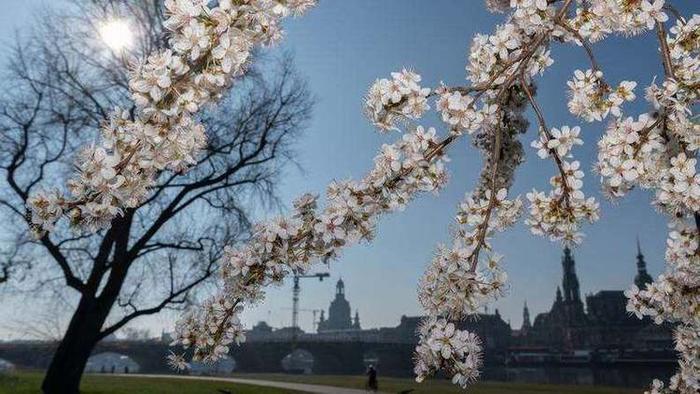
329	357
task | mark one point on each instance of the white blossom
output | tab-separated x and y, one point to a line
209	47
443	346
400	97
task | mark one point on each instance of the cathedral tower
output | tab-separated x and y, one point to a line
570	281
642	278
356	321
339	317
569	311
526	319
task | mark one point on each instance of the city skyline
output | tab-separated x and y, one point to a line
336	281
283	317
340	143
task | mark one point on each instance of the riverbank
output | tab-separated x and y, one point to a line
437	386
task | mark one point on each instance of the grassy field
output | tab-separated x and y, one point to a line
30	382
395	385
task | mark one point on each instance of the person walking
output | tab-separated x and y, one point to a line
372	384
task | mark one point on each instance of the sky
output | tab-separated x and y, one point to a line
341	47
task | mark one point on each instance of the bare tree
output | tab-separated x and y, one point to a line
12	262
59	85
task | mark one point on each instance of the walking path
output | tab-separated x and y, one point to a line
308	388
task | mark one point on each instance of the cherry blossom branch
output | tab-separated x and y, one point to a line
484	226
584	43
665	53
452	287
674	11
668	69
566	190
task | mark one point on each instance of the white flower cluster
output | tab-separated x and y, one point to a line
592	99
444	347
550	216
224	330
559	213
390	100
456	110
658	152
455	285
683	48
561	143
677	95
492	58
631	151
290	244
209	48
679	187
636	153
675	102
533	15
675	297
654	151
604	17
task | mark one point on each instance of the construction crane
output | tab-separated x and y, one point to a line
295	297
315	313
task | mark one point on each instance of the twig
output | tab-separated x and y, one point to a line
665	52
584	43
543	126
484	227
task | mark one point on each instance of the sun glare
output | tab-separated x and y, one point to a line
116	34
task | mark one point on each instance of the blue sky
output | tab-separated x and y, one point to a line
341	47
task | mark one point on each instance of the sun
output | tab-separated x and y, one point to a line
116	34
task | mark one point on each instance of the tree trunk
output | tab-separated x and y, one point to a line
83	333
68	362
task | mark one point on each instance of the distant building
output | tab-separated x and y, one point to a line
643	278
604	324
563	326
262	328
340	327
571	329
338	313
527	326
356	321
109	362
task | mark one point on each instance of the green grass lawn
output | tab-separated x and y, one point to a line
396	385
30	382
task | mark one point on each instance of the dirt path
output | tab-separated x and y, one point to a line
308	388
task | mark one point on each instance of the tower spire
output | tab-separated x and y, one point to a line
642	278
526	318
639	248
570	282
340	288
